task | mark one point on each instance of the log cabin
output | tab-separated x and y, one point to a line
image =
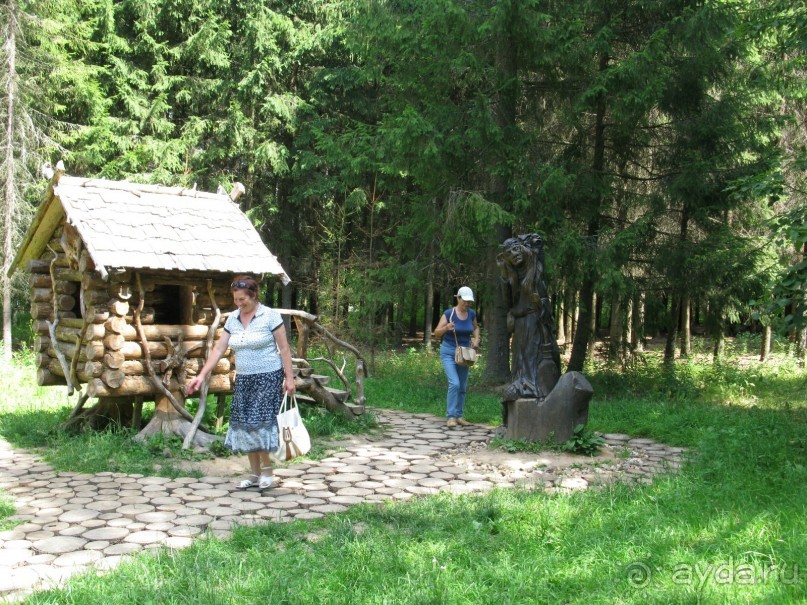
129	288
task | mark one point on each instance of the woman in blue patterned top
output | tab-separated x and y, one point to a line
257	336
457	326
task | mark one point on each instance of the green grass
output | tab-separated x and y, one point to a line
414	381
30	417
507	546
7	509
729	528
583	441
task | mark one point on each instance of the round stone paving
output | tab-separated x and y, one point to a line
110	534
59	545
146	537
75	522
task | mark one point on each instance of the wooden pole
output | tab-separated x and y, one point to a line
200	412
221	400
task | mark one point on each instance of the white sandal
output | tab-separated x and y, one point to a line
266	480
247	483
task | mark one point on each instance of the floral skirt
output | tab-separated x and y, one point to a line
253	413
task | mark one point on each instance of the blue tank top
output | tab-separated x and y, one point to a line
463	327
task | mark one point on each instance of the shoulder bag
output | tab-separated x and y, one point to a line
463	356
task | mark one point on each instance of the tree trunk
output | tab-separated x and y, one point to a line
336	295
765	346
679	297
595	326
313	293
628	337
672	329
437	305
108	411
392	319
413	314
287	292
427	322
593	329
720	340
637	323
570	309
585	317
269	296
399	318
167	421
504	114
497	362
686	327
10	204
615	336
801	336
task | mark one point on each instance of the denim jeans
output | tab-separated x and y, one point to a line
457	382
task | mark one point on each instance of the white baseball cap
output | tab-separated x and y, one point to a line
465	293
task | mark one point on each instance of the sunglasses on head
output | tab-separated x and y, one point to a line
236	285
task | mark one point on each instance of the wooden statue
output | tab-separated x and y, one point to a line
535	365
538	402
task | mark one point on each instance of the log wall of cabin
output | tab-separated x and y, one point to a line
96	323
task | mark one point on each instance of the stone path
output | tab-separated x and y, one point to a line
74	522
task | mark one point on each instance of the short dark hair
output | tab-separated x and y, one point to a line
245	282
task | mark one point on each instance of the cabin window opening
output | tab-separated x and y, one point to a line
77	296
172	304
166	303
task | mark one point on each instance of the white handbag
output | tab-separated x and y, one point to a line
293	436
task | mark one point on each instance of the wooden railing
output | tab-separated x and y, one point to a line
350	400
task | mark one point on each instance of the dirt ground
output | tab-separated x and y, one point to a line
476	455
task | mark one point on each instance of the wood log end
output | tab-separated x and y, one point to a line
46	378
113	378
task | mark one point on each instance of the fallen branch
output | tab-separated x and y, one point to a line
322	331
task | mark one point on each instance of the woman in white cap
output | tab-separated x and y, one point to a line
457	326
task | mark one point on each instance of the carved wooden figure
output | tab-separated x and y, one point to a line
537	402
535	366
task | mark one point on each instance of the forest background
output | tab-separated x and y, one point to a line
389	148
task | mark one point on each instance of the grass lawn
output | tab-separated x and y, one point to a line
729	528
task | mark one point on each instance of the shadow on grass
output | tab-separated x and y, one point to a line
31	428
693	543
89	451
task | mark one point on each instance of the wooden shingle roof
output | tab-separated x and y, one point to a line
140	227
